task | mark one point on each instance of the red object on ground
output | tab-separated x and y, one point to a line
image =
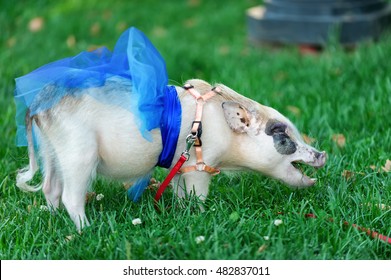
371	233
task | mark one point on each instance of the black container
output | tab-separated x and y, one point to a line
316	22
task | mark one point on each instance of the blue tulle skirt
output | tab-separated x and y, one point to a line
134	58
153	102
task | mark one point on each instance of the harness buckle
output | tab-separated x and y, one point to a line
198	132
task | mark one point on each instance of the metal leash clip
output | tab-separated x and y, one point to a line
190	140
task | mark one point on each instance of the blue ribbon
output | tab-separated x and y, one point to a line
170	126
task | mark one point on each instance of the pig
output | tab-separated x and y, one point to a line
82	137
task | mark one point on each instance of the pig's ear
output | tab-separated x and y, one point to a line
237	116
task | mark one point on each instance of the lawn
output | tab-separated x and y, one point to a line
339	99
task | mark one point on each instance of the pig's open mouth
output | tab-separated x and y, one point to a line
307	168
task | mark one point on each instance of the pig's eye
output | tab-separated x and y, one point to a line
274	127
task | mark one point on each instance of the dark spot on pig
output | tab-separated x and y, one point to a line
282	142
244	121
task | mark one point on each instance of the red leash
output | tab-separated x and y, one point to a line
169	177
371	233
190	140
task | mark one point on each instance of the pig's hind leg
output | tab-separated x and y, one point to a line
52	185
77	160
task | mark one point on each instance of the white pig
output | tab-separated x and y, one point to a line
82	137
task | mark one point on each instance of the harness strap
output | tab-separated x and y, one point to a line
200	165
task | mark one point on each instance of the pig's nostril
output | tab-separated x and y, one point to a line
320	155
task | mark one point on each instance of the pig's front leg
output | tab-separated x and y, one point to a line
193	183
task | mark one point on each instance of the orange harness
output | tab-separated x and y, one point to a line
196	130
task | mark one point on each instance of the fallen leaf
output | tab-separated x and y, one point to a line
280	76
347	174
381	206
339	139
90	196
95	29
121	26
108	14
224	49
153	184
127	185
262	248
294	110
336	71
11	42
307	139
93	48
387	166
69	238
193	3
245	51
36	24
160	31
190	22
71	41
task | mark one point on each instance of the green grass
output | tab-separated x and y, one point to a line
336	92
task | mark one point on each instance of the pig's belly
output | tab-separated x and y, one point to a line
126	159
124	154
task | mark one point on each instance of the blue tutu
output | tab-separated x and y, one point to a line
154	103
134	57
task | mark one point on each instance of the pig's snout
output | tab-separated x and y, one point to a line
320	159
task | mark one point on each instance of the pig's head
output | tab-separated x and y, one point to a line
267	142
